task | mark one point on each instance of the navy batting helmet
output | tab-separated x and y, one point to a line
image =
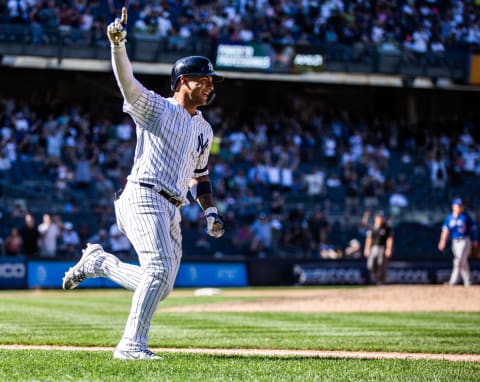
193	66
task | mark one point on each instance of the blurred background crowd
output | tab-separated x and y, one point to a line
414	26
296	181
301	180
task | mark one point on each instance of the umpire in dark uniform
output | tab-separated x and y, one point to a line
378	249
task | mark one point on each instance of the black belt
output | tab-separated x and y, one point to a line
172	199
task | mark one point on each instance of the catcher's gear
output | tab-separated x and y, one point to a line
215	224
116	31
193	66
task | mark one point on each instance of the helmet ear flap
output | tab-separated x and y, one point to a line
175	84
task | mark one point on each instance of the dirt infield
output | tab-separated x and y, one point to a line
388	298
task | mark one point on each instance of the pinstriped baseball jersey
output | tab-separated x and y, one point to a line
172	146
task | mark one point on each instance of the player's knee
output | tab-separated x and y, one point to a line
162	277
157	272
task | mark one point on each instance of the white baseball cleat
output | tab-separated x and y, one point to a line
136	355
79	272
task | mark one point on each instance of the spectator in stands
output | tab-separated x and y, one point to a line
64	178
438	175
352	191
315	180
242	238
333	182
5	166
18	11
378	249
19	209
318	228
398	201
329	251
119	243
330	149
101	237
417	45
54	139
261	236
240	181
471	157
84	163
192	216
370	190
70	240
296	236
50	232
44	19
124	130
277	204
13	243
353	250
30	236
103	189
238	140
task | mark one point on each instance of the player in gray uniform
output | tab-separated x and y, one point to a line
171	156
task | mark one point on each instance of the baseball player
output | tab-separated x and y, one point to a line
378	248
171	156
463	232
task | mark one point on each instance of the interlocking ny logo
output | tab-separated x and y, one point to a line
201	146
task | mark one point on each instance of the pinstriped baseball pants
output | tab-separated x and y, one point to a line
152	224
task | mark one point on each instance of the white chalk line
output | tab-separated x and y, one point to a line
337	354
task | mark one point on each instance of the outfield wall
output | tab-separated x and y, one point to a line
20	273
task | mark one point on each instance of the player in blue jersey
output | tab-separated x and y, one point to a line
463	232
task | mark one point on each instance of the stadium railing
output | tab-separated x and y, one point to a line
24	40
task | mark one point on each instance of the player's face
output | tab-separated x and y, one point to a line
200	89
457	209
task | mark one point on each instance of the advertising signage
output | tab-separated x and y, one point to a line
13	272
274	58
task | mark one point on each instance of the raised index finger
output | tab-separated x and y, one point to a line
123	19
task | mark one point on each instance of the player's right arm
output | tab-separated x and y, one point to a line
122	68
443	238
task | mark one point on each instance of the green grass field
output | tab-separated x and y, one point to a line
96	318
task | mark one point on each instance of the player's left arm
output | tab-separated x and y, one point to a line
389	246
201	190
473	231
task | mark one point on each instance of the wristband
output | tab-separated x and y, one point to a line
203	188
211	210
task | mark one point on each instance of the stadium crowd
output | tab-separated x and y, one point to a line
279	178
297	180
413	26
